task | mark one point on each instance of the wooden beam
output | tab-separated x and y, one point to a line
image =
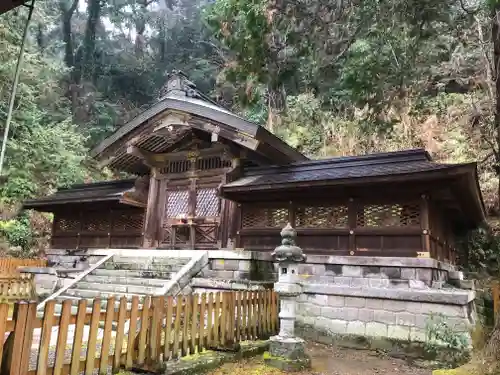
150	222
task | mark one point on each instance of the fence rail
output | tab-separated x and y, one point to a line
8	266
140	334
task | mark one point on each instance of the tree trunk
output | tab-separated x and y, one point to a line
67	12
495	37
93	11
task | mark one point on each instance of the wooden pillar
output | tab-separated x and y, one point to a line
426	231
192	201
150	222
352	216
234	209
161	208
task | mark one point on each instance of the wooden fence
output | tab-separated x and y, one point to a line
137	335
8	266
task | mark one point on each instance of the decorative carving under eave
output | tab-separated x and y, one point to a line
139	194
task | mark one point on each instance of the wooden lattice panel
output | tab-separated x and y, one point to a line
389	215
67	224
322	217
264	217
93	222
177	203
207	202
125	221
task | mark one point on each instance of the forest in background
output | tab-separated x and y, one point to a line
331	77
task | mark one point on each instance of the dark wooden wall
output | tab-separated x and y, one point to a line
98	226
351	227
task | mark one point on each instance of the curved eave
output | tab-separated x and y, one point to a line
208	112
46	205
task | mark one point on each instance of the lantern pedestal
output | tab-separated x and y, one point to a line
287	352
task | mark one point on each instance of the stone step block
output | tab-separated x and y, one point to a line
86	293
139	281
146	263
146	274
116	288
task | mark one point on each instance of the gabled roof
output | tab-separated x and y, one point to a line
194	110
83	193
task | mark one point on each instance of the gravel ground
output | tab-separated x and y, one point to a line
329	360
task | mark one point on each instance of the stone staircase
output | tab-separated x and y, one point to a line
123	276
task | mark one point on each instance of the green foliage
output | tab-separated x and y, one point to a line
480	252
52	154
440	334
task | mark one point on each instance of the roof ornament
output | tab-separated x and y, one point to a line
178	84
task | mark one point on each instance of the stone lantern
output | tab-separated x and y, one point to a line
286	351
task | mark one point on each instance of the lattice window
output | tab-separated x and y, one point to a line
127	221
65	224
264	217
95	223
387	215
322	217
207	202
177	203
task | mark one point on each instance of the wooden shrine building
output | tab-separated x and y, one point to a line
206	178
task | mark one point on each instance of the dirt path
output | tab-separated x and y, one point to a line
327	360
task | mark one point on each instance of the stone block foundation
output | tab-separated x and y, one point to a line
372	297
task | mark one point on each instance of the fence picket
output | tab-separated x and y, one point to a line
43	351
185	326
132	331
62	337
28	338
120	333
91	344
177	327
4	314
216	330
143	330
77	340
244	314
194	323
231	321
168	329
16	340
106	337
210	312
201	333
154	330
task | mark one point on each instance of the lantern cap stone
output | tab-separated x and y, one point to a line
288	252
